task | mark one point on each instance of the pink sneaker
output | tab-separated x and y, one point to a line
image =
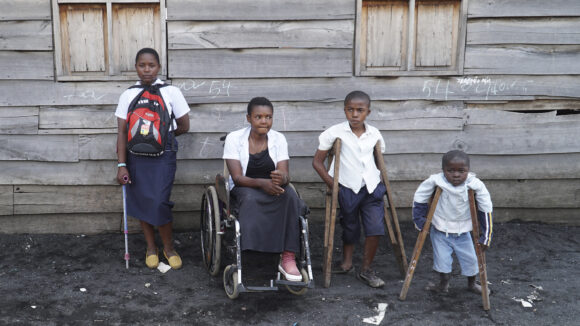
288	267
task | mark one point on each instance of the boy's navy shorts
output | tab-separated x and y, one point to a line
368	206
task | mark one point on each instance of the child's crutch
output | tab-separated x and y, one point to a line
391	219
419	244
480	254
330	215
125	178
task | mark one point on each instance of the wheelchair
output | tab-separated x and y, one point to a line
220	232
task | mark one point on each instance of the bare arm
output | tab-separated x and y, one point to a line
182	125
240	180
122	151
281	176
318	165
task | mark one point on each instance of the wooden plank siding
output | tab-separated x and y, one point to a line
260	10
26	65
336	34
256	63
511	102
543	30
31	35
523	8
25	10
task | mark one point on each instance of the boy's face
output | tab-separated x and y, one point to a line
356	111
456	171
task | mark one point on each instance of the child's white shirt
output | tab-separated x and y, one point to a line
357	162
452	214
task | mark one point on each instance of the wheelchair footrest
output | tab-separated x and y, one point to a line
291	283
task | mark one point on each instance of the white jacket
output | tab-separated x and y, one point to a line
452	214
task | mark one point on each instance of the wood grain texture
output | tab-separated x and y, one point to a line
470	88
269	34
259	10
436	38
85	223
489	117
384	30
523	59
84	38
523	8
53	148
19	120
544	30
310	116
260	63
32	35
26	65
400	167
35	199
6	200
537	105
25	10
77	117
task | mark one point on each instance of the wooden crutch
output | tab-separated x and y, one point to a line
392	218
480	254
330	215
419	244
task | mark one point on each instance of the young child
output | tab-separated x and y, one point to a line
360	190
451	224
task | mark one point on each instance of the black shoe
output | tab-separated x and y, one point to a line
370	278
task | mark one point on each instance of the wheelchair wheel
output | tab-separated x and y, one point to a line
297	290
231	281
210	226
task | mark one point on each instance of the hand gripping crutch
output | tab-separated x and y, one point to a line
391	220
419	244
125	179
480	254
330	215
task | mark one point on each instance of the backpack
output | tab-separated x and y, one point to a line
148	122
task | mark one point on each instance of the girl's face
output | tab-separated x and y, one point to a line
456	171
147	68
261	119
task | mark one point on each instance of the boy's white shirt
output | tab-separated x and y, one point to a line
452	214
357	162
237	147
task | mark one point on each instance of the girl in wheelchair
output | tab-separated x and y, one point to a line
266	207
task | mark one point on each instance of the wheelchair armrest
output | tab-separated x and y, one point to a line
222	189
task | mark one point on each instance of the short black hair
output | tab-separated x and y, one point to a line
357	95
259	101
454	154
147	50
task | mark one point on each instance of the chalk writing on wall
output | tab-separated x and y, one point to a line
213	89
87	95
486	86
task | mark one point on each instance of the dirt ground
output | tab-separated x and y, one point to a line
41	277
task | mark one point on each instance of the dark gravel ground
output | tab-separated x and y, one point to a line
41	277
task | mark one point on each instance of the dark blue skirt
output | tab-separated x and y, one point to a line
151	183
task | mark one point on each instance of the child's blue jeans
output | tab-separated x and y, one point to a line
446	244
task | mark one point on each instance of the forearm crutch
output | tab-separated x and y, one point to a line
125	178
480	254
392	218
419	244
330	213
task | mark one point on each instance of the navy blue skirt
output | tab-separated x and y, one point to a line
151	183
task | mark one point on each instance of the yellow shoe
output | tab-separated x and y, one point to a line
174	261
152	261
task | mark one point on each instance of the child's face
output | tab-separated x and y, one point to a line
356	111
456	171
147	68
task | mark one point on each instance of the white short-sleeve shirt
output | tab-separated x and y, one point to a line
171	96
237	147
357	162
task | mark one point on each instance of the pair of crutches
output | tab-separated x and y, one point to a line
475	235
391	220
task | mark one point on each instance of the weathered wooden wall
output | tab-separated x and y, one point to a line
512	109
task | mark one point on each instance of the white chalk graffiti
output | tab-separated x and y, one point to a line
435	88
215	88
91	95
